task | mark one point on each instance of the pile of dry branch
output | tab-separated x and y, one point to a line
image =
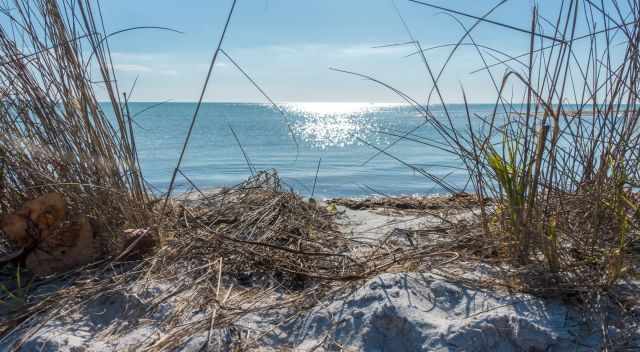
259	228
456	201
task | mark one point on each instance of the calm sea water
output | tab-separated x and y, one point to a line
341	134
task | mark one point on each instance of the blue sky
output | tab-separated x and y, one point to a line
289	45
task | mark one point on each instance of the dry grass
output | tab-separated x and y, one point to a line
563	173
227	254
456	201
559	152
272	230
54	135
234	249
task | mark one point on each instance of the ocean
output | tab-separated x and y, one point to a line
344	136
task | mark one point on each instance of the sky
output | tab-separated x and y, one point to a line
289	46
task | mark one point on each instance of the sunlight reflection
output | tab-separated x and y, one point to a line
334	124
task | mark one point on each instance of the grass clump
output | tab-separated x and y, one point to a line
55	137
557	154
561	160
54	134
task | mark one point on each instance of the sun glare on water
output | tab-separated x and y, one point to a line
334	124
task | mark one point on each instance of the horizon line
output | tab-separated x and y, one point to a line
289	102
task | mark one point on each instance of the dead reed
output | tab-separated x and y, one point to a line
54	135
228	254
235	248
560	156
56	138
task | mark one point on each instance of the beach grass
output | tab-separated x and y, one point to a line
54	134
560	157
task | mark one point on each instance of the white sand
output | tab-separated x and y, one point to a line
391	312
